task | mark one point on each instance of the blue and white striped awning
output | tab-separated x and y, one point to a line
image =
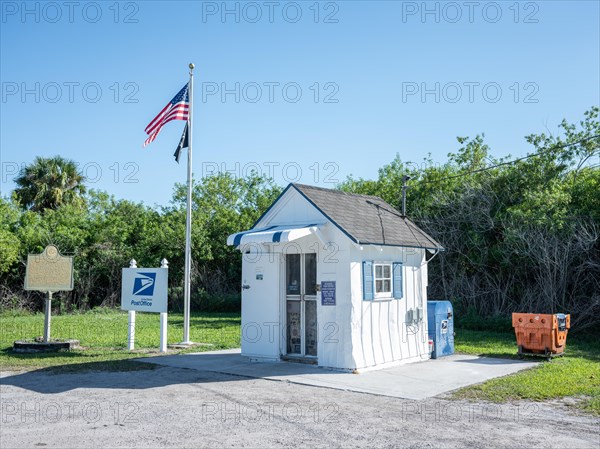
272	234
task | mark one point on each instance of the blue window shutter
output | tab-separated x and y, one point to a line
368	284
398	285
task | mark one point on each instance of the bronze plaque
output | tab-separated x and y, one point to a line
49	271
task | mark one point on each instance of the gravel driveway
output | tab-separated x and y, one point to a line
173	407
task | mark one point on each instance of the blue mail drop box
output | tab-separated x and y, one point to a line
440	324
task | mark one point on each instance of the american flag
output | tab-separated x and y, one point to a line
176	109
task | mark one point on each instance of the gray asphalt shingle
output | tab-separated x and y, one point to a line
367	219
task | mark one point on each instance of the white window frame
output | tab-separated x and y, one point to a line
387	294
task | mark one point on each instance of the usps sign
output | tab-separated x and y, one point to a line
144	289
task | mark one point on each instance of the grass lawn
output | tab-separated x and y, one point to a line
103	335
577	374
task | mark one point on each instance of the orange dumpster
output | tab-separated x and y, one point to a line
542	334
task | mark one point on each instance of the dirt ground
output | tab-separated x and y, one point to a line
172	407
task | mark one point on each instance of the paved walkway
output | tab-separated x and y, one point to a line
419	380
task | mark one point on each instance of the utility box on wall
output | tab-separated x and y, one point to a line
440	324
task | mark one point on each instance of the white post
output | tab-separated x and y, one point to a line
131	330
47	318
163	332
163	318
188	222
131	319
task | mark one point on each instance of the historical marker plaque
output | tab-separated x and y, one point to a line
49	271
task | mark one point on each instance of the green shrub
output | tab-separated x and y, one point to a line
472	321
205	302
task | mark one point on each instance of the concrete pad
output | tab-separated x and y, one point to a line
412	381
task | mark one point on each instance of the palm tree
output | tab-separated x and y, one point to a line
49	183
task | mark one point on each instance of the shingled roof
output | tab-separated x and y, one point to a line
366	219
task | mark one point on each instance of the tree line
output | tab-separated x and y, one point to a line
520	235
104	234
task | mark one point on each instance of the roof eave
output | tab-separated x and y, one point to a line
399	245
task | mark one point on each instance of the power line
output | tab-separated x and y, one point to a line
525	220
539	153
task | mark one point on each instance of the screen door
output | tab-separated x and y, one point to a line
301	304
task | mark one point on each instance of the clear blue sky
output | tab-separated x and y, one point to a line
373	57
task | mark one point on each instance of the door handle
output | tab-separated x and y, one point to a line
245	286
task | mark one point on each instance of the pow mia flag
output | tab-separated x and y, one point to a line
183	143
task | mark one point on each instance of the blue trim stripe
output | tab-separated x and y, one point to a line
237	240
277	235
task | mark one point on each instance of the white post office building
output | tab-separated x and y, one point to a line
335	279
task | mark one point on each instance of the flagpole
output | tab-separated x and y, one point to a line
188	222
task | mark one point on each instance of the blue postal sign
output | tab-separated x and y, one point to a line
144	289
328	293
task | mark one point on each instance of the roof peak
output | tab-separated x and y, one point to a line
340	192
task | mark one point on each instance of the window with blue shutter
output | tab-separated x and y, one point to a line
397	275
367	278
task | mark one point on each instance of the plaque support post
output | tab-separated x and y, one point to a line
47	317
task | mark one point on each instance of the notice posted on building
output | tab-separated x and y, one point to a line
328	293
